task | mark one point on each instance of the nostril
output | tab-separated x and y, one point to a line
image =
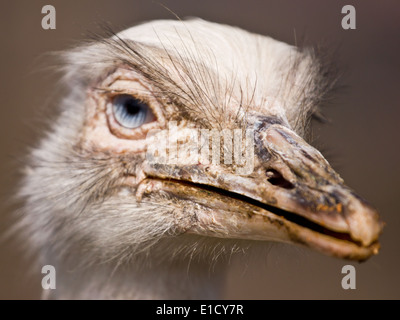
276	178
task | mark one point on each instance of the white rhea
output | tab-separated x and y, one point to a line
116	225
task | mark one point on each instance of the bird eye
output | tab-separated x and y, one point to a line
131	112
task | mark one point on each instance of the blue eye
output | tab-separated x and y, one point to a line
131	112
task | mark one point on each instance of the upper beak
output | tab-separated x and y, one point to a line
292	195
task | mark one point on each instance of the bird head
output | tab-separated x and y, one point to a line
176	128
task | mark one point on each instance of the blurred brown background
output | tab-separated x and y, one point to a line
362	142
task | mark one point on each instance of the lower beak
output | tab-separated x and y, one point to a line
292	195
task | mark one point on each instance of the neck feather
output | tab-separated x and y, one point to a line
180	278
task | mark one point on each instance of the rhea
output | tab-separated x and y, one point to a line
117	224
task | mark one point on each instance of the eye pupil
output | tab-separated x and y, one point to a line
131	112
132	107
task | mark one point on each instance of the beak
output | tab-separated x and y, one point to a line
292	195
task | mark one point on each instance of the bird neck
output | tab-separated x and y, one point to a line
181	279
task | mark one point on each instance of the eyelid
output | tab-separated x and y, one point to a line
112	92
